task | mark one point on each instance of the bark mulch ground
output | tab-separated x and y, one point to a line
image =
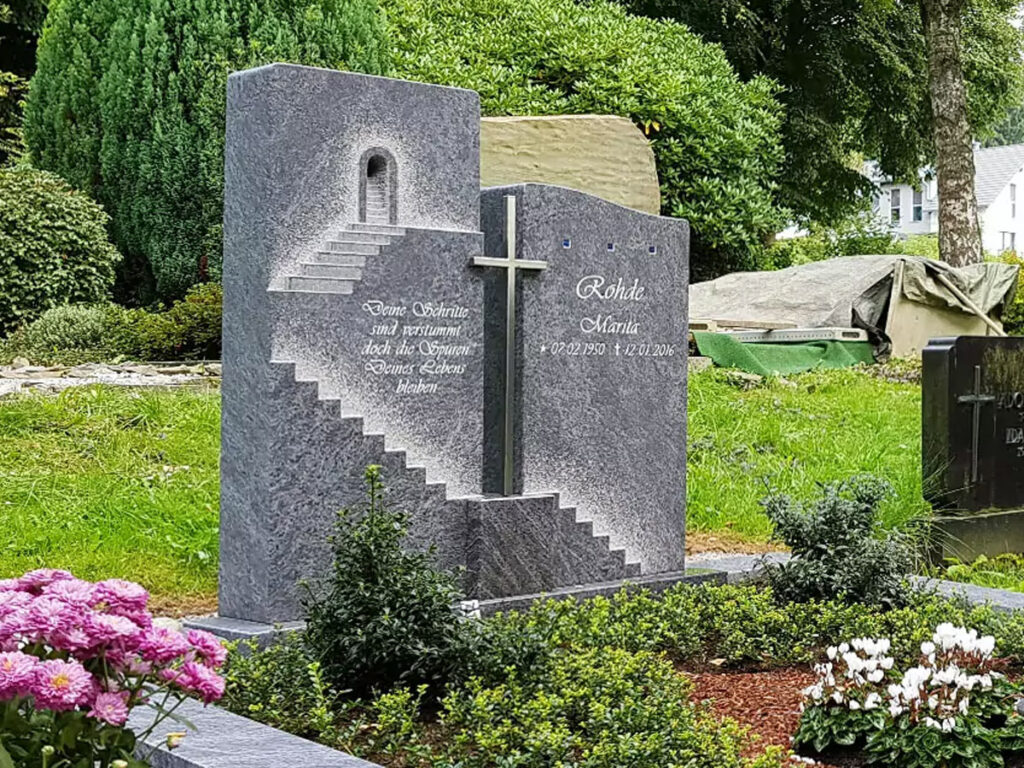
768	703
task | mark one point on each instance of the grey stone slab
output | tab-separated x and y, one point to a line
655	583
1002	600
601	365
530	544
293	454
238	630
225	740
736	567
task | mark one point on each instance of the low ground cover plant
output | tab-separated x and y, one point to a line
1001	572
77	657
952	708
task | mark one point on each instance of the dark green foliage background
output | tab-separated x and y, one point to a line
716	139
128	103
53	247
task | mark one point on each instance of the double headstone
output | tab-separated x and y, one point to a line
973	443
515	361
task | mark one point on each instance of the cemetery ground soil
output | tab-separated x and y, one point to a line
111	482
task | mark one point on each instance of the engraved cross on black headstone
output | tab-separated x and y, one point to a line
977	400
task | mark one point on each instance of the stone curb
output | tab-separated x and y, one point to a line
225	740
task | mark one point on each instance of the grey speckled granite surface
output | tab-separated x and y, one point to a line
601	363
225	740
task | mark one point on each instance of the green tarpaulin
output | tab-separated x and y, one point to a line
769	359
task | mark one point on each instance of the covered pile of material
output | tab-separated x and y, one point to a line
901	301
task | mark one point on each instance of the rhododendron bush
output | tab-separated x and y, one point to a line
76	657
952	709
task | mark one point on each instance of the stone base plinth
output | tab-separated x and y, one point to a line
965	537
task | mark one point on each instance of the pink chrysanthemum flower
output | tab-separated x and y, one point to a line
201	680
73	591
17	674
75	639
43	617
111	708
109	629
10	585
13	601
162	645
61	685
43	577
208	648
121	595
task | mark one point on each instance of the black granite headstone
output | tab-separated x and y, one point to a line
973	423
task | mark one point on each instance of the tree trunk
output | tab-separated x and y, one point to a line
959	232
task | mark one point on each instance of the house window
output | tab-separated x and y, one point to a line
894	206
1009	241
918	205
1013	201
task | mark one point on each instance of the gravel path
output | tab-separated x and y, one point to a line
25	378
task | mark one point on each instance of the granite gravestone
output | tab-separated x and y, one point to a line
973	441
359	328
601	344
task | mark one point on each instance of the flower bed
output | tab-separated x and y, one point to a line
951	708
77	657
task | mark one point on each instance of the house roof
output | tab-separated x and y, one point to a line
993	169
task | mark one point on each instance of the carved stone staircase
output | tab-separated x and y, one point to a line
339	264
580	544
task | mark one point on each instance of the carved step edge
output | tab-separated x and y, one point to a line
593	544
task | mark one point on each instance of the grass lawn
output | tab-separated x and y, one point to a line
787	436
109	482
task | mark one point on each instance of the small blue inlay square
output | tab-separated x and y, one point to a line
567	243
611	246
652	249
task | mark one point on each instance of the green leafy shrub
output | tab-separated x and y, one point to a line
598	707
859	235
281	685
385	618
839	549
53	247
12	105
716	139
128	102
189	330
69	333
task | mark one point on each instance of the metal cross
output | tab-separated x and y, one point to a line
511	264
977	400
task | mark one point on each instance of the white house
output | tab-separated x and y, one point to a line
998	183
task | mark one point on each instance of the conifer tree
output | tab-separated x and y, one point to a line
128	102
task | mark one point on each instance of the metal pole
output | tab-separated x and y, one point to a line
510	339
977	424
